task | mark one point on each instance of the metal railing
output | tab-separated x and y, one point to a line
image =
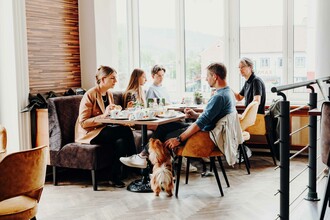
284	143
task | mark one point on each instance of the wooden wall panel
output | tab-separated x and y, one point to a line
53	45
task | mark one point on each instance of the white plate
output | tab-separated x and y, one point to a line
119	118
146	119
165	116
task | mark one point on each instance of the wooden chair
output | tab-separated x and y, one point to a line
198	146
259	128
3	142
21	183
325	146
247	119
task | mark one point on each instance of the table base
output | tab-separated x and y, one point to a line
139	186
143	184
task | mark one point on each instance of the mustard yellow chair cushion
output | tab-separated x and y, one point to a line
259	127
198	145
19	207
22	186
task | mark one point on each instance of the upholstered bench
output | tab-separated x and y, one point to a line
64	152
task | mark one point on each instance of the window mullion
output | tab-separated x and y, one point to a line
133	33
180	39
232	27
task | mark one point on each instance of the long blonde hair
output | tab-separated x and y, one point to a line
135	87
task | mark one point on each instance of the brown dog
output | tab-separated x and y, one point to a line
162	178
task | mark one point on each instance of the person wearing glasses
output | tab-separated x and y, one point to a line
157	90
96	103
254	87
134	94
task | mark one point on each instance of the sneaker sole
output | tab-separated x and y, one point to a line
133	165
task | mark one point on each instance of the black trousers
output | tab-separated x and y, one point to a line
167	131
121	139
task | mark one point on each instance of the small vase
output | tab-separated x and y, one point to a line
198	101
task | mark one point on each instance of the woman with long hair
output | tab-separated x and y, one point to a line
134	93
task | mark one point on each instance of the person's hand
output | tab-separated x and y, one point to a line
130	104
172	143
107	110
189	113
117	107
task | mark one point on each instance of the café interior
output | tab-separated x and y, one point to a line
50	53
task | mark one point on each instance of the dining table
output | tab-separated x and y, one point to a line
143	184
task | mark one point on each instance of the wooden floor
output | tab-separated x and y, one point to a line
248	197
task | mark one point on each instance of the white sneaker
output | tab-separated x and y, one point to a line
248	152
135	161
206	159
192	168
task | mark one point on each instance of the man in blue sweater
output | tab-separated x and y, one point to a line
175	133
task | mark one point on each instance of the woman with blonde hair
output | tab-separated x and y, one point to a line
134	94
96	103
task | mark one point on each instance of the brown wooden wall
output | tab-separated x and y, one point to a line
53	45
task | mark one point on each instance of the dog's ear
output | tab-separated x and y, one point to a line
158	142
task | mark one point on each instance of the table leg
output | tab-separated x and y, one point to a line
143	184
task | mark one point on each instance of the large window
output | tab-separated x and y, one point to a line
261	38
204	40
122	44
187	35
304	40
158	39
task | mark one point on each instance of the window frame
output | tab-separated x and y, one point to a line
232	47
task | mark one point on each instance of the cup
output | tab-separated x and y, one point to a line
124	113
169	113
138	114
114	113
151	114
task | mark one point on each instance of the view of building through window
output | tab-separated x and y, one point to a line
204	40
261	38
157	31
304	40
122	44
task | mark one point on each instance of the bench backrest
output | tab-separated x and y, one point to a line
62	115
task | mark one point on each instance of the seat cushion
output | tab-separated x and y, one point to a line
82	156
19	207
198	145
259	127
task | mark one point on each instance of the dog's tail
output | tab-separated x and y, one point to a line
164	177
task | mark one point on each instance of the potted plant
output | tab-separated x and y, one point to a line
198	97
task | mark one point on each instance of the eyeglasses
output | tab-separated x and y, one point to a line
241	67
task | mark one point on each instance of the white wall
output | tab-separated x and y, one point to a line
13	74
87	43
322	53
96	19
